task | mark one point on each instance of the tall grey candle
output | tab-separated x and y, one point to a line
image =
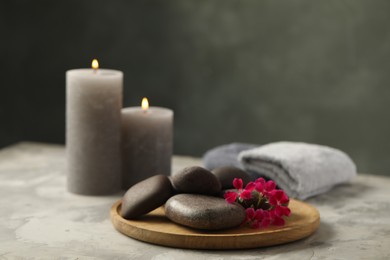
93	131
146	142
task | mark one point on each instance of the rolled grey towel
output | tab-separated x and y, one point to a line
302	170
225	155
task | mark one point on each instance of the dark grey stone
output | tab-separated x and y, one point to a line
203	212
196	180
146	196
226	176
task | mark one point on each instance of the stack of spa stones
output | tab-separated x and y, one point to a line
193	197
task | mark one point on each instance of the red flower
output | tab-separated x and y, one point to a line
245	194
257	219
263	218
264	187
250	214
264	204
282	211
237	183
279	200
276	220
230	196
250	186
278	197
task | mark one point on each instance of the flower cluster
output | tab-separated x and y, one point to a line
264	204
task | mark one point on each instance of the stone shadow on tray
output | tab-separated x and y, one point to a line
152	217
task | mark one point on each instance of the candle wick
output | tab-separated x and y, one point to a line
94	71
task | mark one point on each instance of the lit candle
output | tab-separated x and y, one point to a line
146	142
93	130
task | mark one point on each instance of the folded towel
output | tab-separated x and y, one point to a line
302	170
225	155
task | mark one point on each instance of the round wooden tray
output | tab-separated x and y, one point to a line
155	228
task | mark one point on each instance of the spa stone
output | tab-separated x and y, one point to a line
196	180
226	176
203	212
146	196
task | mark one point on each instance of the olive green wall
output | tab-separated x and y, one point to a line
233	70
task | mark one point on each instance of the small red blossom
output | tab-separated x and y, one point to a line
263	218
242	194
282	211
265	187
264	204
230	196
257	219
278	197
237	183
250	214
245	195
276	220
250	186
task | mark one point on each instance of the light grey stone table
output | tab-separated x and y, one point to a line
39	219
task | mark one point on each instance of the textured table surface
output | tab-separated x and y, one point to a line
39	219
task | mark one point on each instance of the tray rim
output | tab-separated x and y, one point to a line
244	240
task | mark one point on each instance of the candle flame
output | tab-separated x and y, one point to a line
95	64
145	104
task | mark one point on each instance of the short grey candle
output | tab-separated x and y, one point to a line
146	143
93	131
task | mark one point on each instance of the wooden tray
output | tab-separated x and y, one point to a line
157	229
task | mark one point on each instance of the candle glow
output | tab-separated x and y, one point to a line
145	104
95	64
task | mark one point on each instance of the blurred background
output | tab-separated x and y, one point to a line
251	71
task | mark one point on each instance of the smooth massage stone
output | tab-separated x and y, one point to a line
146	196
226	176
196	180
203	212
